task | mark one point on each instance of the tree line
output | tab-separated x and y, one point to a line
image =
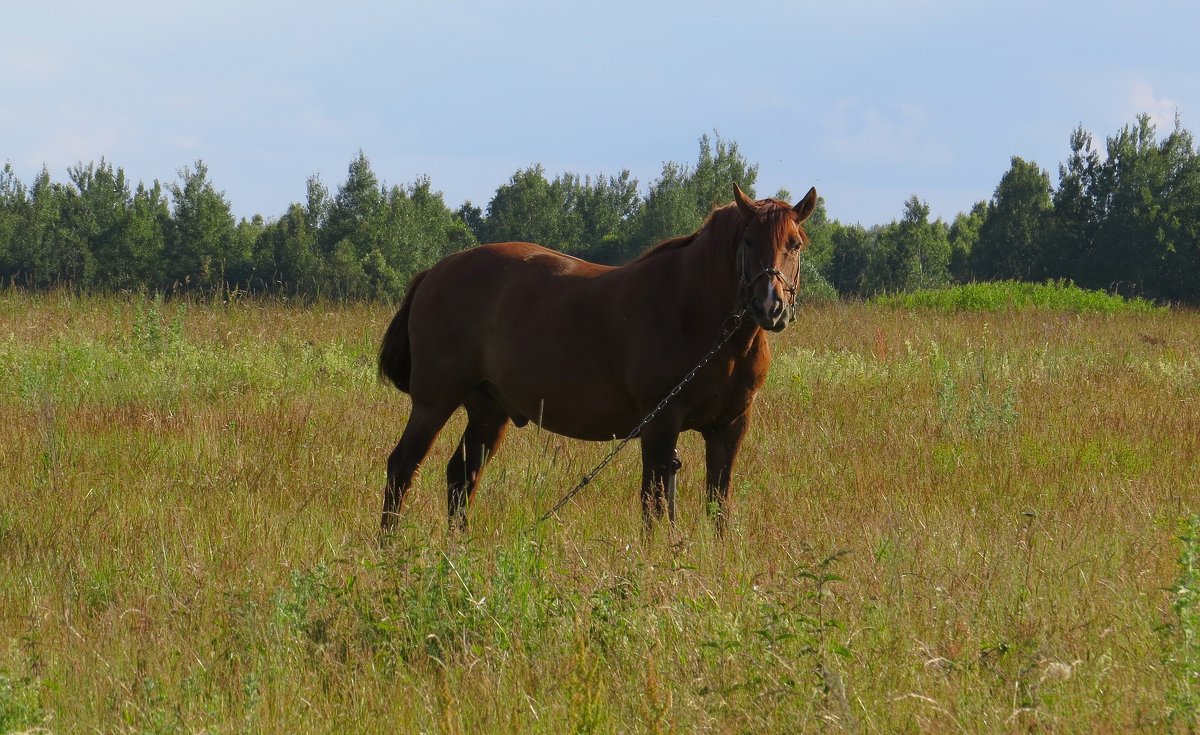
1125	218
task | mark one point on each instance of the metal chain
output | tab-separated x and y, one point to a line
732	322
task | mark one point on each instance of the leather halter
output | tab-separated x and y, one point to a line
746	282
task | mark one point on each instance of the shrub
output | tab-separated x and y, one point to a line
1017	296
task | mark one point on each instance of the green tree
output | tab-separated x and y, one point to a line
815	260
354	213
1129	220
683	196
1145	193
912	253
369	240
602	208
1179	236
719	165
528	209
1076	215
964	233
352	231
583	216
472	216
1011	239
852	249
202	248
101	215
317	203
245	242
48	251
145	235
343	275
820	230
13	205
418	230
286	256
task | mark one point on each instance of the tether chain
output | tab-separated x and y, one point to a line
733	322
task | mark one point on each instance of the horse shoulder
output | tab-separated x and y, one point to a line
748	374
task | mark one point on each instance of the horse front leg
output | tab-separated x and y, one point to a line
671	485
660	463
721	446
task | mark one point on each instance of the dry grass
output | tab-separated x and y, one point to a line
189	502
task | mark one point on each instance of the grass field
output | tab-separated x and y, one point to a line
943	521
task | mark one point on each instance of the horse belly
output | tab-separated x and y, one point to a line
567	405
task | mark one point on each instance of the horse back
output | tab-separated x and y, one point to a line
585	348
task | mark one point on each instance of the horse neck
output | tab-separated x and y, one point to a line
709	277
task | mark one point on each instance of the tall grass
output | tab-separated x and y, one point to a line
960	521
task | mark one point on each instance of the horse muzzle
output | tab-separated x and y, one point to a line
777	324
771	312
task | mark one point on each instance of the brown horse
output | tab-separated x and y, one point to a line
513	331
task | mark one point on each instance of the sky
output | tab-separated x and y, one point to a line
871	102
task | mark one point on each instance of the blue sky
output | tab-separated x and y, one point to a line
871	102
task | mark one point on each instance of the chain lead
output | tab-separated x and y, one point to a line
730	325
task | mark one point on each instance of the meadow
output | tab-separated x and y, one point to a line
944	520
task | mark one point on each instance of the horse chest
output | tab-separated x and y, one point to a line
726	392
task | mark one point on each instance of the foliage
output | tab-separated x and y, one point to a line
1017	296
846	265
584	217
1009	244
682	196
1183	656
964	235
913	253
19	710
201	245
903	255
1127	221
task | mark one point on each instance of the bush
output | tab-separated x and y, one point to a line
1016	296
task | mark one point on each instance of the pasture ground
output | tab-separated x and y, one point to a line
945	522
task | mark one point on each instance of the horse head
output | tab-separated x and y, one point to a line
768	257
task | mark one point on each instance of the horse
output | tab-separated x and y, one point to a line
514	332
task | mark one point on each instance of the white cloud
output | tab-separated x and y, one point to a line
68	145
59	136
862	134
183	142
29	66
1160	109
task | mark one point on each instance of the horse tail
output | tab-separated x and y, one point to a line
395	356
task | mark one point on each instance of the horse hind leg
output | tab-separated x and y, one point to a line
486	424
424	424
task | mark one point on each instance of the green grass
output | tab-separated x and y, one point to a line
943	521
1183	633
1017	296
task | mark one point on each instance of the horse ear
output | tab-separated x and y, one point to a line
749	209
804	208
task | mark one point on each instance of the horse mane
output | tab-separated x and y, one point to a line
723	224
